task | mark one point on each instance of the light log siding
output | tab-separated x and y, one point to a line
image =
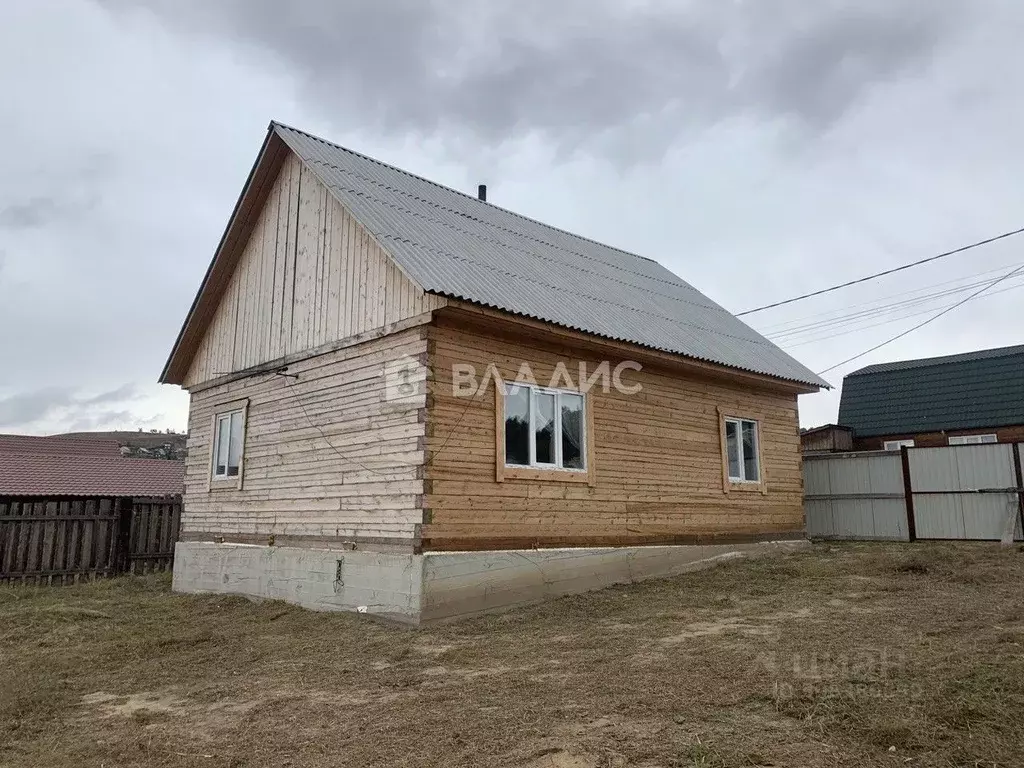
309	275
328	457
657	455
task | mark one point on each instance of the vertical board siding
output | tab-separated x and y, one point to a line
855	496
657	454
862	495
64	540
327	454
963	468
309	275
154	529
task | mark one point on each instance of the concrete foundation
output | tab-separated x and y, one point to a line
437	585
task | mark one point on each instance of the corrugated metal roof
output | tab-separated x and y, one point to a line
458	246
903	365
974	390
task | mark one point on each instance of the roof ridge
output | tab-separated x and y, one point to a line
931	362
678	280
278	124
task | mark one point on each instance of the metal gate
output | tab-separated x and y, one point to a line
965	492
855	496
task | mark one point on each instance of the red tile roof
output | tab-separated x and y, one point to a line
59	445
25	474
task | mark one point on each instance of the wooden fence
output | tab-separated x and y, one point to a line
68	539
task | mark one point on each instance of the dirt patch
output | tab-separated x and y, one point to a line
113	705
559	758
825	658
757	626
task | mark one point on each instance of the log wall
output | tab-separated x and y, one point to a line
657	456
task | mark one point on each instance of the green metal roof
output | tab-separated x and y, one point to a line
973	390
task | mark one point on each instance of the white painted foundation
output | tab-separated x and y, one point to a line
436	585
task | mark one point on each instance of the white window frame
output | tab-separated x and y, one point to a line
535	390
986	439
739	421
895	445
227	413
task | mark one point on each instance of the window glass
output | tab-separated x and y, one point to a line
895	445
750	468
544	428
972	439
572	430
235	444
732	445
221	449
517	425
228	444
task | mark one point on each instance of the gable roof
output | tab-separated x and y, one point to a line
36	474
822	428
454	245
926	362
59	445
973	390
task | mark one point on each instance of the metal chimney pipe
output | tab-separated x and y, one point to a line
481	192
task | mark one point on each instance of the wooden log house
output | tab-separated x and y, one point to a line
410	401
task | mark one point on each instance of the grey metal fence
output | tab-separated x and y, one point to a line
855	496
971	492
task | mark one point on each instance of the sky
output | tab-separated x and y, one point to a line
758	149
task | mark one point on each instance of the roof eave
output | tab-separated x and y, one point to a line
801	387
181	356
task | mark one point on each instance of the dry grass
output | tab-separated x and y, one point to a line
849	655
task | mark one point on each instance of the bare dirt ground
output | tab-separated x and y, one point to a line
847	655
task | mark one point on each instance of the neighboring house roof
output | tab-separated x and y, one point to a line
59	445
24	474
927	362
823	427
973	390
457	246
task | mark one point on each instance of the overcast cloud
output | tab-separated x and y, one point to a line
758	149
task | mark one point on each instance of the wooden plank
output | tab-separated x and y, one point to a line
659	452
326	452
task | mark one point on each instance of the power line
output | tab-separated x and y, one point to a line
881	311
936	316
857	329
877	303
865	279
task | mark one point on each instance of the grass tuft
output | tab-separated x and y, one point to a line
848	655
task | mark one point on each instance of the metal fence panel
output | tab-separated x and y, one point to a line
946	482
962	467
855	496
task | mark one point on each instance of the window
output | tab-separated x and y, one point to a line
742	449
972	439
228	443
543	428
895	445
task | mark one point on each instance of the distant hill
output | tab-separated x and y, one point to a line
141	445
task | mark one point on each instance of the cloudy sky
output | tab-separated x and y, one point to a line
758	149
